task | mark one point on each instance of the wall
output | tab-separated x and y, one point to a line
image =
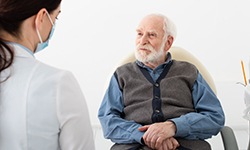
92	36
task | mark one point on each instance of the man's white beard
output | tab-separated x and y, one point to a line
152	57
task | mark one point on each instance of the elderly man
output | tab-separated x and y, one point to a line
157	102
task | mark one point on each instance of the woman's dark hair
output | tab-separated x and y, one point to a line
12	14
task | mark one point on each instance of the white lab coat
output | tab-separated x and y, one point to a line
42	108
247	103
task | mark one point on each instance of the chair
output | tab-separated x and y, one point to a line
178	53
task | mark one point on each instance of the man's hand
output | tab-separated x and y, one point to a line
169	144
157	133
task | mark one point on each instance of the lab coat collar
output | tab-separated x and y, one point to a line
21	51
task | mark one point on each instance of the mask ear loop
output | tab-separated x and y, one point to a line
49	18
39	36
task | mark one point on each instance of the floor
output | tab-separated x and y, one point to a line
216	142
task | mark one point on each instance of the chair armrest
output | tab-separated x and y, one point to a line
228	138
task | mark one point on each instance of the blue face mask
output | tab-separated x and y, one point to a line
42	45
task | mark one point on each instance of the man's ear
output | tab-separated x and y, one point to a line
40	18
168	43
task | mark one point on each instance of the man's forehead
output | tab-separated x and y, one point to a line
146	30
152	28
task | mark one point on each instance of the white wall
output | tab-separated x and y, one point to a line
92	36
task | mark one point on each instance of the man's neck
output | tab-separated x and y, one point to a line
155	64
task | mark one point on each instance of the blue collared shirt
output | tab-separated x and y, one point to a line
202	124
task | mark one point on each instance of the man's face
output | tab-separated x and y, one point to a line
149	41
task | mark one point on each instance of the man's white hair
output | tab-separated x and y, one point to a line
168	26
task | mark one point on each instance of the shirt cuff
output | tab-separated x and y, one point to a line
137	136
182	128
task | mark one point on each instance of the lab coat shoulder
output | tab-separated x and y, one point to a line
71	108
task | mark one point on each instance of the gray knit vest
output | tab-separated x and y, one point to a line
147	102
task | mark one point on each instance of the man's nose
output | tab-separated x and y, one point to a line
144	40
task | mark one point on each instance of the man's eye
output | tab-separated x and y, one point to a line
152	35
139	34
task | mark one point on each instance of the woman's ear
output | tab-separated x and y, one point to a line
40	19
